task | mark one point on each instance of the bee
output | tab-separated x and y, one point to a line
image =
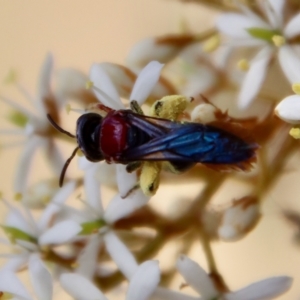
131	138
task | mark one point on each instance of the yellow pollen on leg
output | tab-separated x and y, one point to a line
296	88
278	40
243	65
295	133
211	44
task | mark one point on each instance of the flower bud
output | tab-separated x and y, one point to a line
204	113
239	219
289	109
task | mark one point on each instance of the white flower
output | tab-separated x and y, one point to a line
202	283
30	235
40	278
94	219
141	286
249	29
38	131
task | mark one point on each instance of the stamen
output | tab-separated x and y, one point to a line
18	196
11	77
211	44
90	85
278	40
295	133
243	65
69	108
296	88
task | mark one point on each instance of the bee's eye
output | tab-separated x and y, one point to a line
88	136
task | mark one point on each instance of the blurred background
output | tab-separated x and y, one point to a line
79	33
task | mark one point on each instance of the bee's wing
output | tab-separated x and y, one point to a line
190	142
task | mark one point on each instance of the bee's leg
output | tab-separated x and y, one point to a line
169	107
134	188
135	107
149	178
133	166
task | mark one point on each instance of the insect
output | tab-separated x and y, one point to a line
129	137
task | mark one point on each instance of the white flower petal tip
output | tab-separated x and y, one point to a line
120	254
80	288
266	289
146	81
144	281
239	219
204	113
289	109
196	277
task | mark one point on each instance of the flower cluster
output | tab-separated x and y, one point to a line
101	234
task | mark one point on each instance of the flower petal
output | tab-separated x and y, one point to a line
80	288
144	281
148	50
274	11
236	25
166	294
105	90
290	63
122	77
55	205
254	77
60	233
10	283
263	290
120	254
44	90
25	162
70	83
16	219
54	156
40	278
292	29
119	208
92	190
87	260
146	81
289	109
125	181
196	277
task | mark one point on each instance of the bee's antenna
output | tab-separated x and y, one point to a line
57	127
64	169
